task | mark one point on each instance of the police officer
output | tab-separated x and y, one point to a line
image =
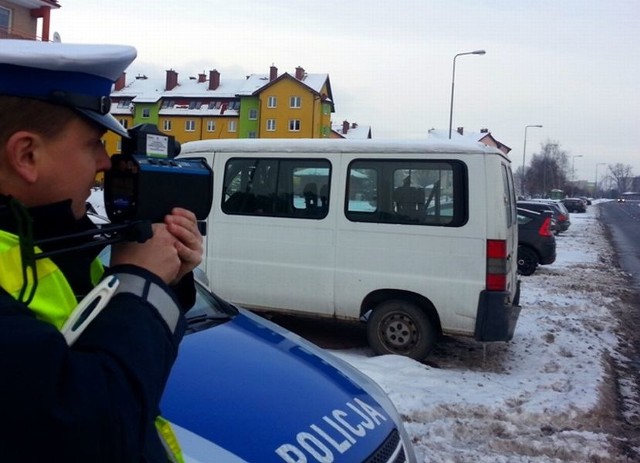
97	399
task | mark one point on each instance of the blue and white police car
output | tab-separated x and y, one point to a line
244	389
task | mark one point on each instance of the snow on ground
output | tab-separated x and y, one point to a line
547	396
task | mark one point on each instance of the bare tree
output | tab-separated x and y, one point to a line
622	175
548	170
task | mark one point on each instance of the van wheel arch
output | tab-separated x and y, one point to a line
403	324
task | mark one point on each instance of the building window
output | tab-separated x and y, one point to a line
294	125
272	102
190	125
233	126
271	125
252	134
5	20
124	123
146	112
295	102
211	126
253	114
166	125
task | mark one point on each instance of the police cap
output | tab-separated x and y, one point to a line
79	76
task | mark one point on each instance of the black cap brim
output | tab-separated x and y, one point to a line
105	120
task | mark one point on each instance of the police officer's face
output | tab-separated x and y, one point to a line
72	160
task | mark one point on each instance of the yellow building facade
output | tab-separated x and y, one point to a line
204	107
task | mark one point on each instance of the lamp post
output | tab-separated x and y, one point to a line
453	78
573	171
595	187
524	153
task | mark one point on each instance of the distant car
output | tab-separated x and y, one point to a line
536	243
575	204
586	200
629	196
244	389
560	213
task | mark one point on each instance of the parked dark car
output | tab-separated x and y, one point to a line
575	204
536	243
560	213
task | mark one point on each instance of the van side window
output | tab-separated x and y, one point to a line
297	188
407	192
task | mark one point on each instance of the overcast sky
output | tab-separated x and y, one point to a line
572	66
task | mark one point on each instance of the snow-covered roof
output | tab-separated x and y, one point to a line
37	3
355	131
484	137
143	88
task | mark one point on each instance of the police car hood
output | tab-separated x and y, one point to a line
265	395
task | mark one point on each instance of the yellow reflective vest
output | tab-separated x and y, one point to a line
54	301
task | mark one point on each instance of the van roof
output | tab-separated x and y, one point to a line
251	145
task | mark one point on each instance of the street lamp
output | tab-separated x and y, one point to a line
595	187
573	171
524	153
453	78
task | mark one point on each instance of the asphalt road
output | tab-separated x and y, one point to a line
623	222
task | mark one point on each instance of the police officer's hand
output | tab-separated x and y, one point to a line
159	254
182	224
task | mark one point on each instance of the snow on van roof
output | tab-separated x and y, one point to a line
249	145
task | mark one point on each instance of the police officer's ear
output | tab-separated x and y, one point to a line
22	152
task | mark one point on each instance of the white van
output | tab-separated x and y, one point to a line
418	239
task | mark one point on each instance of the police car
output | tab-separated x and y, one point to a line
244	389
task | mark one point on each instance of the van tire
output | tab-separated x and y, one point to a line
400	327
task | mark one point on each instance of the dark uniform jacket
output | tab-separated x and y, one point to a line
97	400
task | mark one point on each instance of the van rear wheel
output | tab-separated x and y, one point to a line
400	327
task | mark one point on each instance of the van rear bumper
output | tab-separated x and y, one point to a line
498	312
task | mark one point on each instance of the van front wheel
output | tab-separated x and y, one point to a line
400	327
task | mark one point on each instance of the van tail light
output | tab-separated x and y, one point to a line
497	265
545	228
562	218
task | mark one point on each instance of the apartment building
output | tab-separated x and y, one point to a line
208	106
26	19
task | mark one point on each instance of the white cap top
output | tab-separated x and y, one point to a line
79	76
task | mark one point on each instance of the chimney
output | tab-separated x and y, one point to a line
345	127
120	83
273	73
214	79
299	73
172	80
202	77
484	130
461	130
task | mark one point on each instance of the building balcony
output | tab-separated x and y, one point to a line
13	34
